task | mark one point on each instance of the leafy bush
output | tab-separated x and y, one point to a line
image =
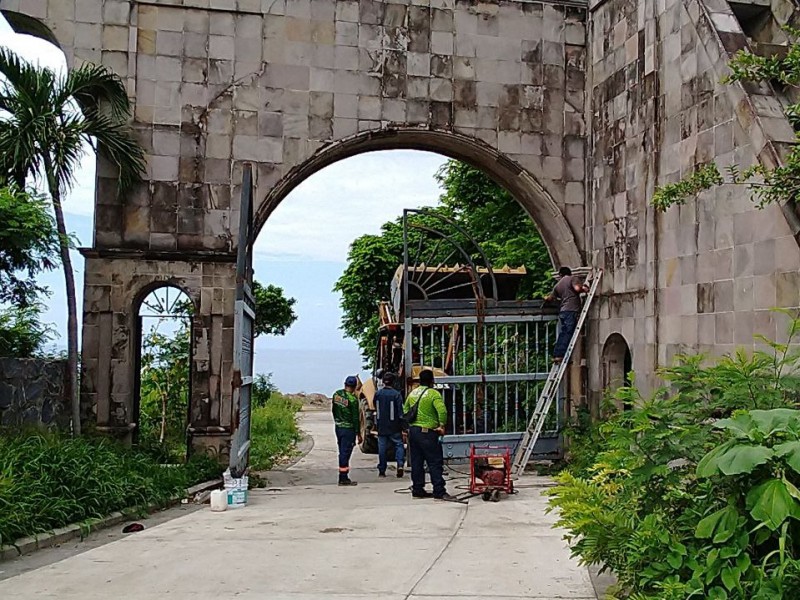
22	334
48	481
693	492
273	431
263	388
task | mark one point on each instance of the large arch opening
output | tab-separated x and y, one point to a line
531	195
505	395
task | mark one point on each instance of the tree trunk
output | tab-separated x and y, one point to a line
73	393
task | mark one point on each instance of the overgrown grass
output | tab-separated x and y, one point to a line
273	431
49	481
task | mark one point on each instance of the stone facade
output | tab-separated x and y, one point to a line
581	129
32	394
703	276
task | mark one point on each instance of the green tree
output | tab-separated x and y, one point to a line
164	390
274	311
28	245
48	119
486	212
22	333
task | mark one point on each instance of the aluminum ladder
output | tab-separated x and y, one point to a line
550	389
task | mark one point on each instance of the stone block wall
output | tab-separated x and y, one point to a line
32	394
703	276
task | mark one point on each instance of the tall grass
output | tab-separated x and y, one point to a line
273	431
48	481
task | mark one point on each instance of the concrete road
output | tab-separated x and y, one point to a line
304	538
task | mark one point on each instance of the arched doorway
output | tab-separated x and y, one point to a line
163	382
617	365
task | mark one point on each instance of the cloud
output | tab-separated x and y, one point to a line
320	218
81	199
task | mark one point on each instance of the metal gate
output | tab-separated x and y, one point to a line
490	352
243	332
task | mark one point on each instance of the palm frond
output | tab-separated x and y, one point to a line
115	142
93	87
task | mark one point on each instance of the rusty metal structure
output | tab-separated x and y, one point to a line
451	311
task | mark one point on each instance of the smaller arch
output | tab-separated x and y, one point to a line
146	290
616	364
165	372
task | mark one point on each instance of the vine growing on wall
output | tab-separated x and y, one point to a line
767	184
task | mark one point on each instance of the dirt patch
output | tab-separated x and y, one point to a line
311	401
335	530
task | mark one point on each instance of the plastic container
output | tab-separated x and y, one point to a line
236	490
219	500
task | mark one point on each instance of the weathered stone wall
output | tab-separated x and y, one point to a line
32	394
701	276
291	86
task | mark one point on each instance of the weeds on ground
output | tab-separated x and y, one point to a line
693	492
273	431
49	481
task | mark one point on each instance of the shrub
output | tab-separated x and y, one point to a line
273	431
48	481
693	492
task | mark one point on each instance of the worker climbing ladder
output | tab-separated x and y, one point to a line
551	386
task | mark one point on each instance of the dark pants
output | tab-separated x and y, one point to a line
396	439
425	448
346	440
567	322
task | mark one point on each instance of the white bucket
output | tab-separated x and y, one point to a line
236	490
219	500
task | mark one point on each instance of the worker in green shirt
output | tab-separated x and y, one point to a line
424	432
348	426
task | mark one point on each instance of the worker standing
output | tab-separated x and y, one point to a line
567	291
347	422
389	417
426	415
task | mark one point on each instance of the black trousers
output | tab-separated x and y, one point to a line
425	448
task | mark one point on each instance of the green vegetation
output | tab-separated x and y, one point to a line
693	492
486	211
768	185
22	334
28	245
164	392
274	311
273	431
42	134
49	481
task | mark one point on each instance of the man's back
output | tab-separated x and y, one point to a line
389	407
565	291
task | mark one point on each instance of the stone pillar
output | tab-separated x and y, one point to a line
114	286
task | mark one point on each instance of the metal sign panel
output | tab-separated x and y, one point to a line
243	332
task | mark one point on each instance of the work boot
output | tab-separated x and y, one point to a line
421	495
400	471
447	497
347	482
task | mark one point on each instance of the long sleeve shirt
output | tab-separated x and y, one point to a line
345	410
432	412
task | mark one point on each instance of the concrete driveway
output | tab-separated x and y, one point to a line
304	538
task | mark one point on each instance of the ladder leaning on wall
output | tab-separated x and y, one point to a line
551	386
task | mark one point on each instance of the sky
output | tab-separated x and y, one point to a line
303	255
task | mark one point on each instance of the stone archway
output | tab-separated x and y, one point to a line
291	87
525	188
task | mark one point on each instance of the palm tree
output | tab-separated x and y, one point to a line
47	120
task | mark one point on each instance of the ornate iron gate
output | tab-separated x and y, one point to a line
490	352
243	332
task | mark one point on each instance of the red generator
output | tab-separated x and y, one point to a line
490	472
